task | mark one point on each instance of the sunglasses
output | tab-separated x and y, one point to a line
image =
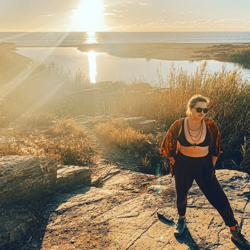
199	110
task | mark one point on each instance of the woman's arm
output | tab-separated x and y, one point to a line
217	149
214	160
168	144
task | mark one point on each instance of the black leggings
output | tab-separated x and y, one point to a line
186	170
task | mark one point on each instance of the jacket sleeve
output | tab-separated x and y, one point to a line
168	145
217	148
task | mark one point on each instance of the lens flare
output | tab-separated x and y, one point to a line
89	16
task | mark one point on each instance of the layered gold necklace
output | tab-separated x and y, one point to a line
195	134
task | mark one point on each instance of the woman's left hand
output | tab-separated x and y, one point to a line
214	159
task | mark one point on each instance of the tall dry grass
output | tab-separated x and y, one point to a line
130	145
123	137
64	141
228	91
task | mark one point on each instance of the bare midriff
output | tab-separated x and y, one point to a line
194	151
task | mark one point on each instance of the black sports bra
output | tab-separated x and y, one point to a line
183	141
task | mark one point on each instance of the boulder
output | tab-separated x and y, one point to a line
70	177
25	182
133	121
146	126
26	178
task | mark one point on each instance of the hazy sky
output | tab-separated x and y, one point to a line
124	15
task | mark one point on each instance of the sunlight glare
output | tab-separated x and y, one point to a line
92	66
91	37
89	16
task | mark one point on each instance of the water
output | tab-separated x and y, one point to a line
104	67
76	38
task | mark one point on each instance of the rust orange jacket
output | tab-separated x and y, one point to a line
169	147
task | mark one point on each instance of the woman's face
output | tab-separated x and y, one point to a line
198	115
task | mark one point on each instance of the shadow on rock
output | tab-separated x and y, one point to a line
184	239
165	220
43	211
188	240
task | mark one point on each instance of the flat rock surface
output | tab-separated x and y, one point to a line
119	211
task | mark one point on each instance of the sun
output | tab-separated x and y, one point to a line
89	16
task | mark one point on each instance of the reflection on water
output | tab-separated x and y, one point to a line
112	68
91	37
92	66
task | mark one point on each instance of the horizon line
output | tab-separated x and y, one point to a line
58	31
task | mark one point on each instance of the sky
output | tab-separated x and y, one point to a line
125	15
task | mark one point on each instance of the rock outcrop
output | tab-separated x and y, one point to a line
122	209
27	184
129	210
137	122
26	178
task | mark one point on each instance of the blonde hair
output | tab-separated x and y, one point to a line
193	100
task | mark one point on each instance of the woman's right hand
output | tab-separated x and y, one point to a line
172	162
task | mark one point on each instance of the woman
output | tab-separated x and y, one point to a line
192	145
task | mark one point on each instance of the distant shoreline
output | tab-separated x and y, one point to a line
226	52
177	51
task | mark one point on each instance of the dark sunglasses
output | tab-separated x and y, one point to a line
199	110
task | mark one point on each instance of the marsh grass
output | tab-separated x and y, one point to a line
242	57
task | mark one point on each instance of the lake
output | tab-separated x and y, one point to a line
104	67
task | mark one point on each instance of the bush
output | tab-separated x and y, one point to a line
125	138
65	141
131	144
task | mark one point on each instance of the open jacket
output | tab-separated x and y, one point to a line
169	145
